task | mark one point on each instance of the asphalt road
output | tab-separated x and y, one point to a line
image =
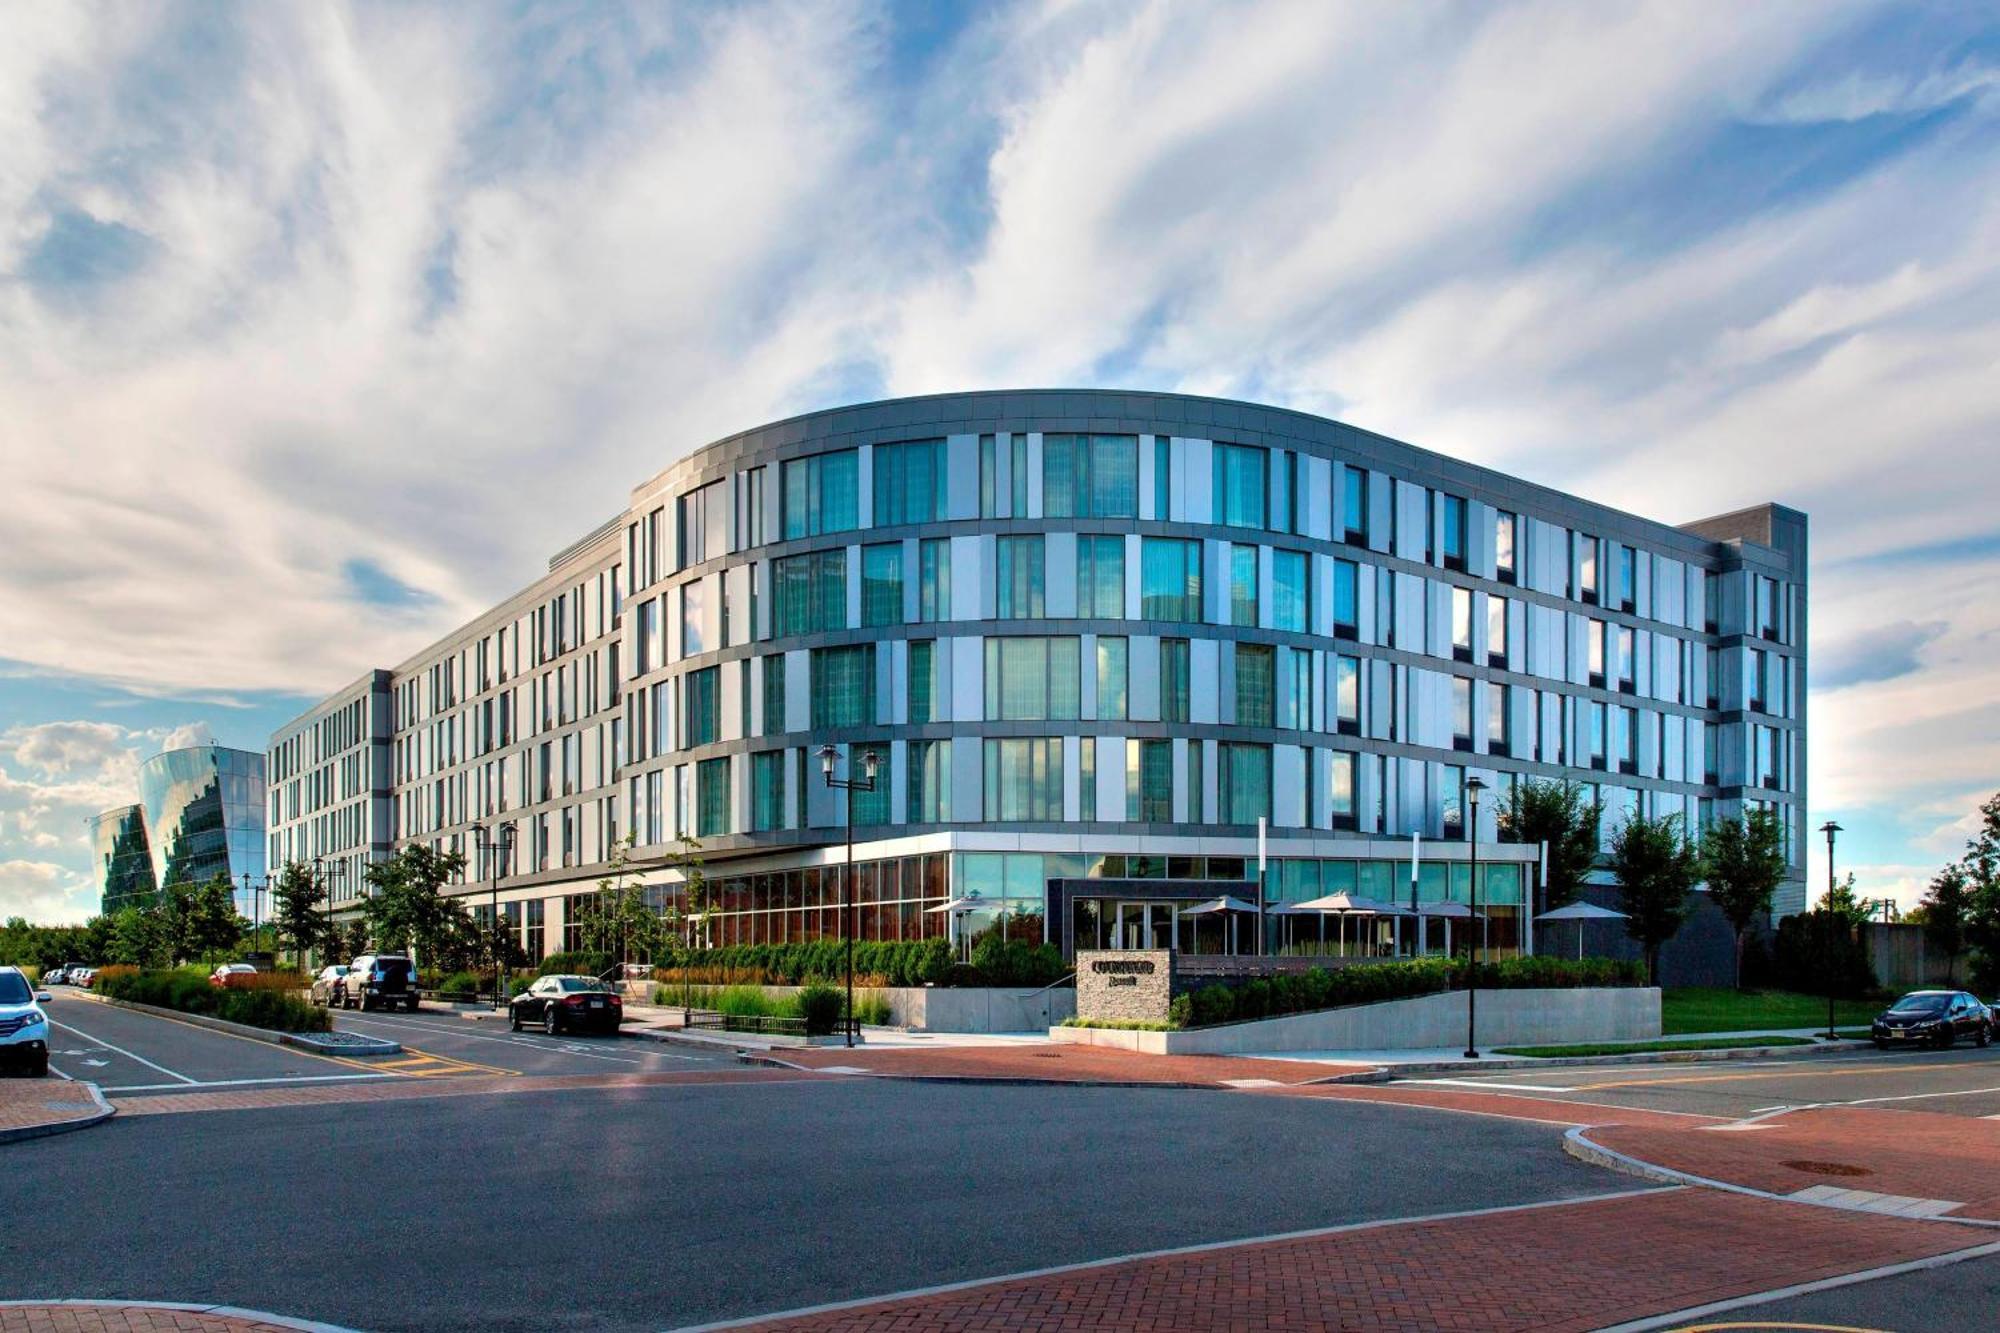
645	1208
487	1042
1965	1081
1950	1299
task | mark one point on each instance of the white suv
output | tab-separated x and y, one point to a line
24	1028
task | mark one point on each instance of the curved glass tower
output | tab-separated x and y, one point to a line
204	809
124	863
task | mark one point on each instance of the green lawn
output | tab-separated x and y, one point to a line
1718	1009
1627	1047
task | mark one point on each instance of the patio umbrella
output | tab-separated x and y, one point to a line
1581	912
1344	905
1215	906
958	907
1448	912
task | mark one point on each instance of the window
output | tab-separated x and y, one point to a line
843	686
820	494
1711	770
1163	476
1343	790
646	636
933	580
1628	751
1018	473
1461	624
1499	734
1174	689
1295	680
750	512
1290	595
1241	488
1594	720
704	515
1497	610
1030	679
1461	713
767	791
1100	577
882	584
810	592
1503	546
1627	581
1197	801
929	794
872	806
1170	579
701	706
1285	505
989	478
1149	781
711	778
1767	608
1454	532
1024	780
923	681
909	482
1090	476
1711	602
1346	622
1256	684
1111	676
774	695
1586	565
1347	695
1628	658
694	612
1243	585
1595	635
1243	783
1354	504
1020	577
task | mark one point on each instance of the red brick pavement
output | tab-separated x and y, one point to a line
113	1318
1565	1267
322	1094
1917	1153
1059	1064
36	1106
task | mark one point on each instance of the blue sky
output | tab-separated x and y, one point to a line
322	326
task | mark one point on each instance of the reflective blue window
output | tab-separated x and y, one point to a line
1090	476
1289	591
1170	579
820	494
909	482
1242	487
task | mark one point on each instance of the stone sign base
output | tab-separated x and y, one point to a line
1124	985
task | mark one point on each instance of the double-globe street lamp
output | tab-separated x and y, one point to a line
504	844
1473	787
828	756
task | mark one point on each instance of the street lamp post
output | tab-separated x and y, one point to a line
828	755
1832	981
1473	787
505	843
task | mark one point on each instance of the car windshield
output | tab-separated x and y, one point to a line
1921	1004
585	984
14	989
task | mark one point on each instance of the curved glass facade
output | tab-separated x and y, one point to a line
204	809
124	864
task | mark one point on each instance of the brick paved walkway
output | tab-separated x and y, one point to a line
110	1317
1059	1064
322	1094
31	1107
1919	1154
1571	1266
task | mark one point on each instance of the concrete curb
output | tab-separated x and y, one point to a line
1577	1143
105	1110
300	1040
1024	1080
184	1307
1631	1058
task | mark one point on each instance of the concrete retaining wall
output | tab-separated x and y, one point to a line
1506	1018
971	1009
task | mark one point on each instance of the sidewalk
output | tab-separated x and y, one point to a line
145	1317
31	1108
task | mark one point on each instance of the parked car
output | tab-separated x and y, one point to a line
329	986
24	1028
1934	1017
85	977
54	976
567	1004
386	979
232	975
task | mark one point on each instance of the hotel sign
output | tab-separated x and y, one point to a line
1130	985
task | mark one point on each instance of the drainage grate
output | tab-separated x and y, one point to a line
1827	1168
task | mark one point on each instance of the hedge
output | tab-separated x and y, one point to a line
1368	983
271	1004
581	963
877	963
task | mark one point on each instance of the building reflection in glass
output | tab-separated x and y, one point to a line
204	809
124	863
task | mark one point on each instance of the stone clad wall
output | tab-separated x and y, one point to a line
1125	985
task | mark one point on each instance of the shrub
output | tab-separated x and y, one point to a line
820	1006
873	1010
463	983
271	1006
582	963
1368	983
877	963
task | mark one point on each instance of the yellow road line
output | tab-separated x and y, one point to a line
1769	1074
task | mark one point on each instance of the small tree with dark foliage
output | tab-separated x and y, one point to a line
1744	862
1563	815
1656	866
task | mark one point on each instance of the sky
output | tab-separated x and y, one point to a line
323	325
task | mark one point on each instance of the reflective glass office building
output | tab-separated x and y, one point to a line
124	863
204	810
1093	639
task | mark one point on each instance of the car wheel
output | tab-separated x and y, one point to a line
513	1020
551	1023
40	1067
413	1004
1985	1037
1881	1045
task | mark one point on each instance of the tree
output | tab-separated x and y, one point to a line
618	919
1944	911
356	940
1656	866
1563	815
298	910
196	921
137	937
1981	868
406	905
1843	905
694	887
1744	861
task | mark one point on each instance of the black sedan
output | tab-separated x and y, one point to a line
567	1004
1935	1018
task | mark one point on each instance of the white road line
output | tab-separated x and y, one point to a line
67	1079
122	1051
516	1040
1917	1097
1480	1083
248	1082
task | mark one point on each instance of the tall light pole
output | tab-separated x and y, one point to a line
1473	787
1829	828
505	843
828	755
